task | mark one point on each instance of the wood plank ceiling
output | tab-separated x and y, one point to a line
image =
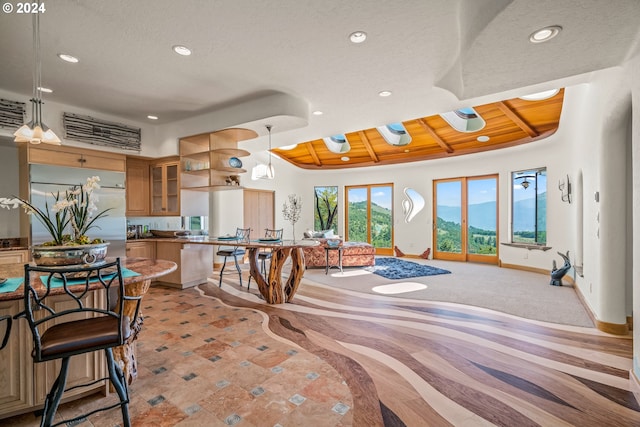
508	123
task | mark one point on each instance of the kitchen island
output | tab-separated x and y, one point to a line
24	384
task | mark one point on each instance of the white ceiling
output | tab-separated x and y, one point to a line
434	55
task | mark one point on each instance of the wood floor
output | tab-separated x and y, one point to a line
212	356
420	363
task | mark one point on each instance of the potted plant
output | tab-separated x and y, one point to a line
68	221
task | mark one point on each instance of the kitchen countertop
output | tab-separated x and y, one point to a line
147	268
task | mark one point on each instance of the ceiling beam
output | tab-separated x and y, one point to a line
368	146
514	117
446	147
313	153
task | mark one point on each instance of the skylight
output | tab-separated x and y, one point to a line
395	134
464	120
337	144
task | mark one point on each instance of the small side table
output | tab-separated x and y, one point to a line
327	249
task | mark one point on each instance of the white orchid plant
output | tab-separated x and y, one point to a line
74	209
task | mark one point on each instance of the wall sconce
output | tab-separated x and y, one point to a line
564	185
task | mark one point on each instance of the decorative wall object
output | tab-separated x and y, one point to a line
564	185
325	216
99	132
413	204
12	114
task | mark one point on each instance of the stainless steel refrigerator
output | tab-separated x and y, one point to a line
45	180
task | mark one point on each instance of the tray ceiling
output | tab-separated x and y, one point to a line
508	123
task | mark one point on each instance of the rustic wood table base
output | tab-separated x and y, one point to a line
272	288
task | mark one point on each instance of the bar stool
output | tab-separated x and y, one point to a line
77	328
242	236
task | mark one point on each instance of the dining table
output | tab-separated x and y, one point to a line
273	288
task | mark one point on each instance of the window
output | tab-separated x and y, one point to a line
464	120
529	206
325	215
395	134
337	144
370	216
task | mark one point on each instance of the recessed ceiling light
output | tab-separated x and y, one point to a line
152	117
545	34
385	93
406	150
483	138
358	36
345	158
317	113
539	96
45	89
68	58
181	50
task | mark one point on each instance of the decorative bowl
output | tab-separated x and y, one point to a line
235	162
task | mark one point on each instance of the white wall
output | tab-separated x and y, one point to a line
52	116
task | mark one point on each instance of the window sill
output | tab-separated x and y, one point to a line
526	246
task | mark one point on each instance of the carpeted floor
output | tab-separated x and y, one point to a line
516	292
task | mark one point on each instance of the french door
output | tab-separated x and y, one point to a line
466	219
369	216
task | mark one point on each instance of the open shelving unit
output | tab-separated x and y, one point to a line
204	159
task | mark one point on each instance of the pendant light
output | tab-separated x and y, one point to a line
270	171
35	131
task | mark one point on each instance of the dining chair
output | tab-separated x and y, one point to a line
64	325
242	236
266	253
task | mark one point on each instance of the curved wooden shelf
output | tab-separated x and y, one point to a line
237	152
229	169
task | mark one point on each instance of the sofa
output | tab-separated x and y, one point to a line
354	254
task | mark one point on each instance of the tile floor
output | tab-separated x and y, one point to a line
206	364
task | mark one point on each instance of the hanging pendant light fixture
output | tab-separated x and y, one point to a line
270	171
36	131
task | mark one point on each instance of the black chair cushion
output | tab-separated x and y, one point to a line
80	336
264	255
230	252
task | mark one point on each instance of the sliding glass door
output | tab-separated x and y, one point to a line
466	219
370	216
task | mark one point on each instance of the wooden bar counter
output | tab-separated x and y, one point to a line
24	384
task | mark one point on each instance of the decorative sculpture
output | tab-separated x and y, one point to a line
558	273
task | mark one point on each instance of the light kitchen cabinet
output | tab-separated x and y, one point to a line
165	188
141	249
195	263
137	186
14	257
259	210
76	157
